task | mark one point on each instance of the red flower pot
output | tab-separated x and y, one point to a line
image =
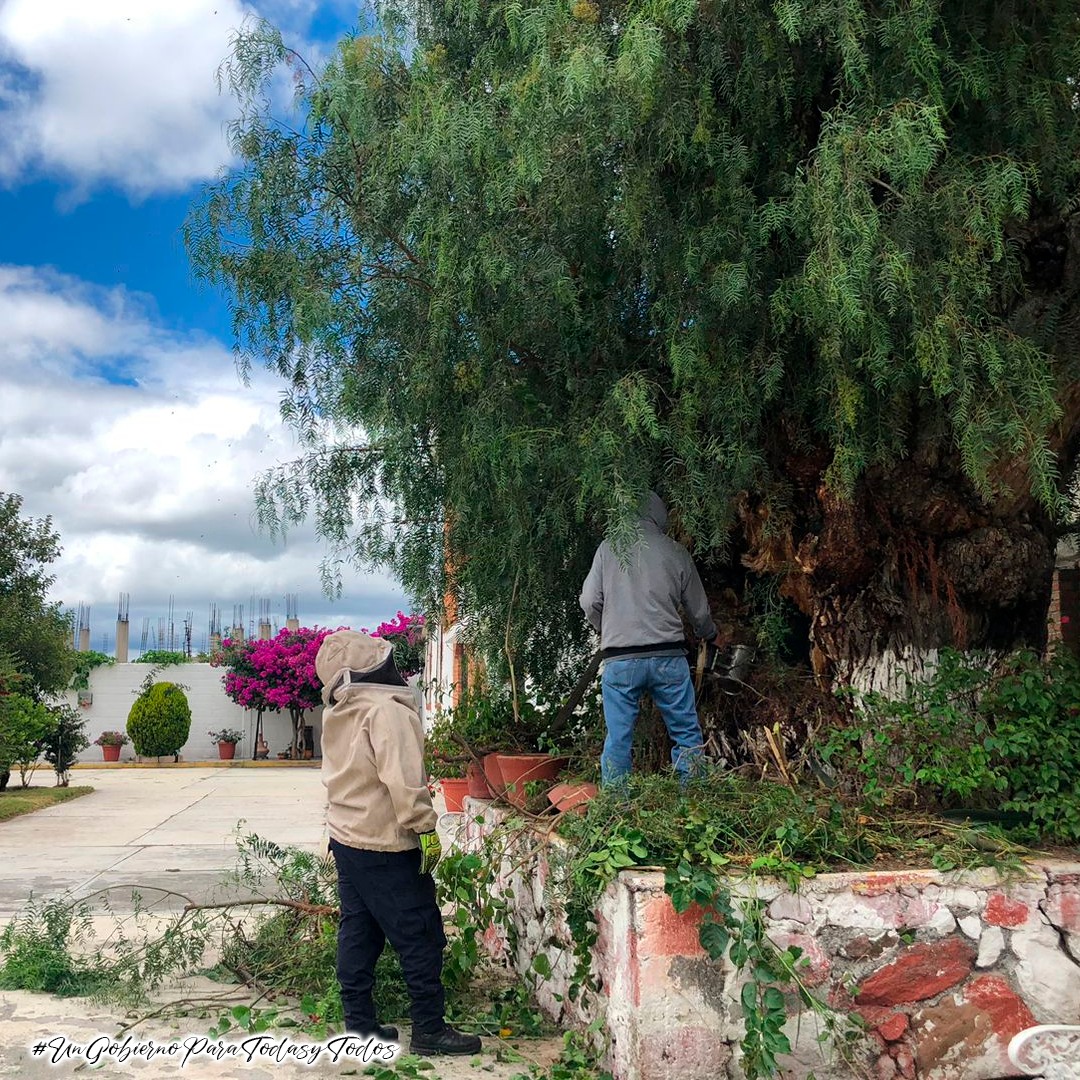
226	750
492	773
454	790
520	769
575	797
111	753
478	785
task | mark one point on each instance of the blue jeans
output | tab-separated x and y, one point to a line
667	679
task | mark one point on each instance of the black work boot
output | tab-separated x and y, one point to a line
447	1041
382	1032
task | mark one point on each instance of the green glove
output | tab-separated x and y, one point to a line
430	852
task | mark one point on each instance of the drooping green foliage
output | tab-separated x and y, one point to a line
520	259
160	720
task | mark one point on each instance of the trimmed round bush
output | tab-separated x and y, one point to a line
160	721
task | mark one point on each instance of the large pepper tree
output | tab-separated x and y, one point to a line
809	269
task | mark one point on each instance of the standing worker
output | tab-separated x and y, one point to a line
383	839
635	609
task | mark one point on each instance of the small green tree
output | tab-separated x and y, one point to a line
34	632
160	720
64	741
24	725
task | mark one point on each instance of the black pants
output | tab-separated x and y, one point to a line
384	897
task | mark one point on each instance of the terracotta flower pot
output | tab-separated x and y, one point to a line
493	774
454	790
226	750
111	753
478	785
572	797
520	769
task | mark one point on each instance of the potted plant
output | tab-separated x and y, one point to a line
444	762
110	743
484	722
226	740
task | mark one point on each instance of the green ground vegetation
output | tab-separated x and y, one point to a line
17	801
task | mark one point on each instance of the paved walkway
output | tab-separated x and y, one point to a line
174	830
169	828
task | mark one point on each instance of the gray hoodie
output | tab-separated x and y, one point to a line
635	607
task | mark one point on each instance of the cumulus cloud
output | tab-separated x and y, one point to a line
120	90
147	469
123	92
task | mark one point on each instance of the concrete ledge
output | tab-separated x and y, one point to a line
940	970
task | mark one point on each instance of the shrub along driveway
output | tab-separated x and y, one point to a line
169	829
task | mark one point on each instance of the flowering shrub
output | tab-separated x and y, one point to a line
406	634
275	675
229	735
112	738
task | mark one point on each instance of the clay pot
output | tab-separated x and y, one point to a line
572	797
111	753
492	773
520	769
478	785
454	790
226	751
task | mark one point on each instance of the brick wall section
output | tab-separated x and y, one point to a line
942	969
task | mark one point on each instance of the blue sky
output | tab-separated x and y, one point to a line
123	415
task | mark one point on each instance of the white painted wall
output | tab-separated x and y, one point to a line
114	689
438	669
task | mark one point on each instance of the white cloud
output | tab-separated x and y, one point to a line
122	91
149	482
115	90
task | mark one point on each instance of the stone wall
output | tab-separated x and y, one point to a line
940	969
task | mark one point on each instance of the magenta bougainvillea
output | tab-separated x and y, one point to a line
406	634
277	675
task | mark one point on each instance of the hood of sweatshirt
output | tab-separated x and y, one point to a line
348	650
654	512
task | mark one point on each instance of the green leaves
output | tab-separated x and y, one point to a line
620	849
558	252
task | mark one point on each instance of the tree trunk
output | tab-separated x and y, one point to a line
916	561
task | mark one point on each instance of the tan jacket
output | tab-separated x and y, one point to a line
373	751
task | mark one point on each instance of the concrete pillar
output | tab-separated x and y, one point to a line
215	644
292	624
238	635
123	628
84	639
264	631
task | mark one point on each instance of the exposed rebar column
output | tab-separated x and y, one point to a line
83	640
123	628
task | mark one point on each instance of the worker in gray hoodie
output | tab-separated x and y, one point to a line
383	839
634	604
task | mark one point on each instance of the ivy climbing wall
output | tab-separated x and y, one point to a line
927	975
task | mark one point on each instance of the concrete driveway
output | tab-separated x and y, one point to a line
174	829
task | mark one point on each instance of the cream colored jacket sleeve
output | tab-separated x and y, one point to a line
397	741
